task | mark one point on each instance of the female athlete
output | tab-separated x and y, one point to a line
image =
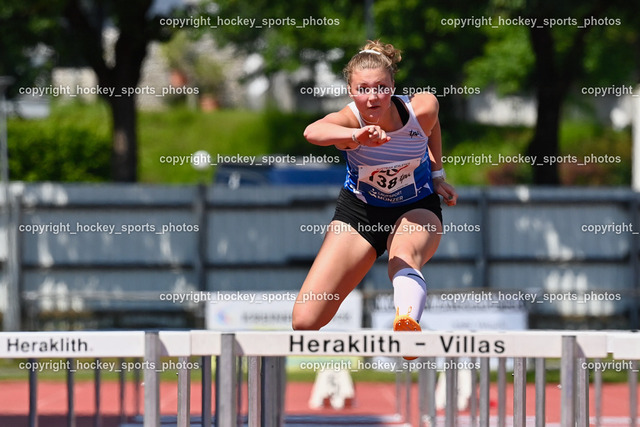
390	197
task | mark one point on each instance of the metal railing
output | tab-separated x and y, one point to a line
522	238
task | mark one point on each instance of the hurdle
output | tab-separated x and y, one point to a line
266	352
573	348
148	346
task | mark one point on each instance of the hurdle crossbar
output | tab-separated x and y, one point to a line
266	369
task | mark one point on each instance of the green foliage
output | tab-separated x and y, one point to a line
73	145
288	34
208	76
69	146
579	139
610	58
23	26
611	148
433	53
179	52
507	60
481	146
201	71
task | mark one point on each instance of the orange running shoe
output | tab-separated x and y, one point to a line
406	323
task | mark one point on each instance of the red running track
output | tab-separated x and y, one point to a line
370	399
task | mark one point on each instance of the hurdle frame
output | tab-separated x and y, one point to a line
266	369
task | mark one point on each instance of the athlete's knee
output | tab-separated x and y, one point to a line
405	257
303	321
306	324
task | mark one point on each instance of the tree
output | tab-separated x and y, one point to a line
85	28
586	40
543	59
23	27
74	29
287	34
432	54
434	51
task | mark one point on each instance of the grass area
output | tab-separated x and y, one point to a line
181	131
225	133
14	370
56	369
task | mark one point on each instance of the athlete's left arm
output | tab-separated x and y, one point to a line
426	109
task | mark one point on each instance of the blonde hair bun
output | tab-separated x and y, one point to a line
374	54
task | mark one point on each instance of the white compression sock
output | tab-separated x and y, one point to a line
409	292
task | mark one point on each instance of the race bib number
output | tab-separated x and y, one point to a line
391	182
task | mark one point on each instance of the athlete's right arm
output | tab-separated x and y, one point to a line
340	129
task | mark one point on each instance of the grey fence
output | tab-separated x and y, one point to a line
89	249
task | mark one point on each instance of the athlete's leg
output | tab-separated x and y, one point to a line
415	240
342	262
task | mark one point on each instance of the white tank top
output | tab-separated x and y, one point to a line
395	173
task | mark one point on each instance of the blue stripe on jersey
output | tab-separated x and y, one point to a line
407	143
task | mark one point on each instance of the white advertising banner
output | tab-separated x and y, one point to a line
271	311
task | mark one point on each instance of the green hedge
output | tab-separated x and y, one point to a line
48	150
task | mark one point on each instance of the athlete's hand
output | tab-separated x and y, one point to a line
446	190
371	136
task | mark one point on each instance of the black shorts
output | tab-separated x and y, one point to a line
374	222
